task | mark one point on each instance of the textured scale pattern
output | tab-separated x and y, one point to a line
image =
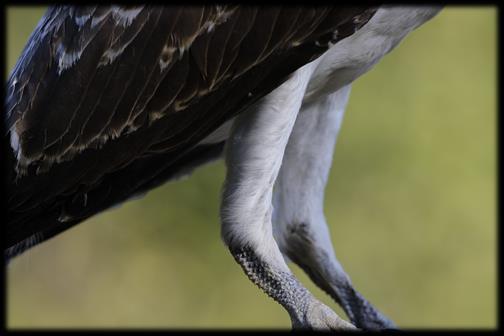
281	286
360	311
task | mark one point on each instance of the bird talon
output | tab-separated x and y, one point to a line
320	317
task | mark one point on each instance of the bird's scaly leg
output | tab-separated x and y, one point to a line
253	157
300	227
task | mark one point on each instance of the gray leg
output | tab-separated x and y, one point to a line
300	227
253	157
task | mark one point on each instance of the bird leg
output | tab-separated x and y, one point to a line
300	227
253	157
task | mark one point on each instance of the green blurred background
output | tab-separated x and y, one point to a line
411	202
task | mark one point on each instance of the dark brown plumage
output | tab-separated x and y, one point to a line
108	102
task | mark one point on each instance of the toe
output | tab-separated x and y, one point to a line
321	317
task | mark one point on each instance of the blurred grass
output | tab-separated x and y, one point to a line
411	202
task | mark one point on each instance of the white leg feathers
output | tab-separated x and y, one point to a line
253	157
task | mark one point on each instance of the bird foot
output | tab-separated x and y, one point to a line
314	254
321	317
306	312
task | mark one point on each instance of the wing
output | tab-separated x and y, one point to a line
105	100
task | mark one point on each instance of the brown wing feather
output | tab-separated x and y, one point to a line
111	124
